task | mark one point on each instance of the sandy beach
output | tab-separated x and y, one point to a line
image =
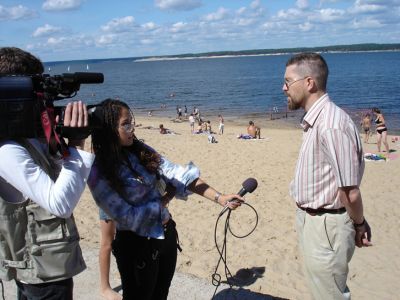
267	263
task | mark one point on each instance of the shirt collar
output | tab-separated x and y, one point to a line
313	113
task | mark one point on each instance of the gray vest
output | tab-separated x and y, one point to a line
36	246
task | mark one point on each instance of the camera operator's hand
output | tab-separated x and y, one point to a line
76	115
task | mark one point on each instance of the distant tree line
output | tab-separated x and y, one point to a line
337	48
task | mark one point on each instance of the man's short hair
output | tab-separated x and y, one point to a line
251	123
16	61
313	65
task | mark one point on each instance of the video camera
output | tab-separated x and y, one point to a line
22	99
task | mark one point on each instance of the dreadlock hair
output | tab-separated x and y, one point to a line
110	155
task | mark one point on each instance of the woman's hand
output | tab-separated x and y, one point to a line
232	200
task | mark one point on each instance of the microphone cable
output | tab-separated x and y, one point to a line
216	277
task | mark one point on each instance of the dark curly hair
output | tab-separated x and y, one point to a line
16	61
110	154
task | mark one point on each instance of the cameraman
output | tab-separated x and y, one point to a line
39	246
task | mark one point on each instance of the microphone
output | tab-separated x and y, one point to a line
248	186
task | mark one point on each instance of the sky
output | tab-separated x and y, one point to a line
57	30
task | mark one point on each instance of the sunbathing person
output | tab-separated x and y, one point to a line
164	130
253	130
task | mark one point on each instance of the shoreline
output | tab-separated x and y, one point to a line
263	120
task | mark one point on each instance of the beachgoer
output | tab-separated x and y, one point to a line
107	229
150	114
208	126
179	113
199	127
186	111
221	124
133	184
164	130
39	190
204	127
196	113
329	215
191	122
366	126
253	130
381	130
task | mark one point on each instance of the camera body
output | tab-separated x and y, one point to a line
21	105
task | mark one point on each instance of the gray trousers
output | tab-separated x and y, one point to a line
327	244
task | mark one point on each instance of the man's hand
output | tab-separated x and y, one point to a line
76	115
363	235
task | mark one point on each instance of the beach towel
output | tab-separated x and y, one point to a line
245	137
250	138
374	157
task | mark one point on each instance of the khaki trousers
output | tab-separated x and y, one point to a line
327	244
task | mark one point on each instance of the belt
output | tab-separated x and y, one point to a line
318	211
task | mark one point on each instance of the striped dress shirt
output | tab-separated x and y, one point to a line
330	157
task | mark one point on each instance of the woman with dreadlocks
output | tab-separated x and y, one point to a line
133	184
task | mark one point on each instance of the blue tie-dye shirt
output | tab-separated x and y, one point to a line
141	211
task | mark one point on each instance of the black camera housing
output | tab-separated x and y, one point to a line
20	105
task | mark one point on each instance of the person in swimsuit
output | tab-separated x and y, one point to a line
381	130
366	126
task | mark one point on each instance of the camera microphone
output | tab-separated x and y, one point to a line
248	186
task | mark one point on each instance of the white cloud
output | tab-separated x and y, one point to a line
146	42
178	4
302	4
365	7
241	10
105	39
59	5
178	27
366	23
149	26
119	25
52	41
307	26
220	14
45	30
329	15
245	22
289	14
16	13
255	4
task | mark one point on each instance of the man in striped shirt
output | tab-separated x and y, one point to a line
329	218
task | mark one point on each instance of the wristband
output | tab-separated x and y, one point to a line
216	197
360	224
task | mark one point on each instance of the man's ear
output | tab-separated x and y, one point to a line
311	84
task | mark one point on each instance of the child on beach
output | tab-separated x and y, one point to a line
221	124
366	126
191	122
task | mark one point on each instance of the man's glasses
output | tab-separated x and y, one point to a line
289	83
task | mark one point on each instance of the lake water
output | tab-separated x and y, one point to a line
238	86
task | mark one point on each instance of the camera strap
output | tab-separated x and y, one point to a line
56	144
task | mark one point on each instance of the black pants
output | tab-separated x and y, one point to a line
59	290
146	265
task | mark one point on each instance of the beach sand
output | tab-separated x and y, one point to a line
267	264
